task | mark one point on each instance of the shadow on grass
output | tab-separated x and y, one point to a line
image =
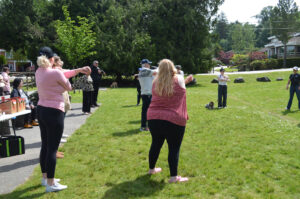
129	106
23	193
195	86
142	186
289	111
134	122
127	133
214	109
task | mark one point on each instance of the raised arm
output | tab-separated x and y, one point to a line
63	81
71	73
188	79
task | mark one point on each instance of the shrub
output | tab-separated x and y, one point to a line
257	55
2	60
258	64
225	57
271	63
242	61
216	62
290	62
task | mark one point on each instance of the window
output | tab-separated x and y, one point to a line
290	49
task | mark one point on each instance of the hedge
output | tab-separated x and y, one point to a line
274	63
290	62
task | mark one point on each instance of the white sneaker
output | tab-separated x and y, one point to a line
44	181
65	136
55	187
63	140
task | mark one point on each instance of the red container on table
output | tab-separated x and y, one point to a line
9	106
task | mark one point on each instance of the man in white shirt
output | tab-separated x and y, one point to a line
146	76
179	71
222	89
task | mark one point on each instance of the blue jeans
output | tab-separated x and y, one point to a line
146	103
294	89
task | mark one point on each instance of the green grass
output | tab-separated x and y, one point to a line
249	150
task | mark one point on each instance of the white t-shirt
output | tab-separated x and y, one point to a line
180	80
222	80
146	79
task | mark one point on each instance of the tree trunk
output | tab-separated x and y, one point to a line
284	56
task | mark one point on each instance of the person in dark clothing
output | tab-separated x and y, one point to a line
138	88
96	75
30	119
294	79
222	89
85	82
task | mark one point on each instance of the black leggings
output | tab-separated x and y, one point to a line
161	130
87	101
51	122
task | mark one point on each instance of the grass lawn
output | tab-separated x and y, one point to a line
248	150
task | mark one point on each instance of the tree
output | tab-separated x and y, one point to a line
243	38
283	22
222	26
124	40
23	25
180	31
75	42
264	29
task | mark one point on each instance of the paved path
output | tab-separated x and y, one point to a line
250	72
17	169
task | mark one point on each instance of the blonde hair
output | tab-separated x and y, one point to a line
57	62
164	79
43	61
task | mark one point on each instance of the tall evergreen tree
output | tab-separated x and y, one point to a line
264	28
284	20
180	31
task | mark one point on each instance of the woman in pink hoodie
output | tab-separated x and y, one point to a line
51	84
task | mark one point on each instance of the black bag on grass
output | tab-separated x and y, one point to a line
11	145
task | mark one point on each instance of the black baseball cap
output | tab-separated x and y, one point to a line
47	51
222	69
146	61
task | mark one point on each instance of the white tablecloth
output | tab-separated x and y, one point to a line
10	116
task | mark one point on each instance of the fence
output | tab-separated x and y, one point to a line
28	78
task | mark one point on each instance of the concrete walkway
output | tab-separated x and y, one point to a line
249	72
15	170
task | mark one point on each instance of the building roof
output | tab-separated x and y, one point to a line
294	41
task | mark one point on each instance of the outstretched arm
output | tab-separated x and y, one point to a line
188	79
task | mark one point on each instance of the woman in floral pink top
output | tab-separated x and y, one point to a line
167	116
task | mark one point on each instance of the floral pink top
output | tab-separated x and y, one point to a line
172	109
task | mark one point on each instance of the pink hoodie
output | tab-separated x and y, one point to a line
51	83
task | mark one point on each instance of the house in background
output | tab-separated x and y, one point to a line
276	48
16	65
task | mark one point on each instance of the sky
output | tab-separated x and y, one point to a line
244	10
